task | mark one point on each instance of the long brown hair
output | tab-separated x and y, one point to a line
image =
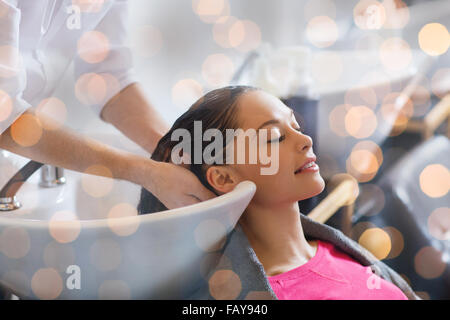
215	110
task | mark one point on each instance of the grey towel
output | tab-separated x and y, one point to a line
239	257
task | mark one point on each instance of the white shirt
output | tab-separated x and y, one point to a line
39	39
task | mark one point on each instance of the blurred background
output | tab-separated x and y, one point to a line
369	81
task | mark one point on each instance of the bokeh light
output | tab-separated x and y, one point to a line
369	15
209	11
428	263
359	228
440	82
93	88
15	242
360	122
146	41
374	82
435	180
26	130
236	33
439	223
244	35
47	284
210	235
185	92
397	14
90	88
322	31
127	226
211	260
336	119
396	110
105	254
361	96
395	55
5	105
93	47
97	181
397	242
89	5
364	160
434	39
221	31
217	69
225	285
327	67
64	226
52	109
377	241
114	290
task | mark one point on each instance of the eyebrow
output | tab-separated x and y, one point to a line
272	121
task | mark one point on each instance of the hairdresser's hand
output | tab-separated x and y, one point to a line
176	186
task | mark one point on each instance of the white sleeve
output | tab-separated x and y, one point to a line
12	71
116	69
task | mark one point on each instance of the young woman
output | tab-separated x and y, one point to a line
295	264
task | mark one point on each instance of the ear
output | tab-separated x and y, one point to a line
222	178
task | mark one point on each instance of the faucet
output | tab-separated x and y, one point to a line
51	176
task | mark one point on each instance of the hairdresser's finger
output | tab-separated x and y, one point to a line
207	195
186	200
203	195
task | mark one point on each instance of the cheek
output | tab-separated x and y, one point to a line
248	172
270	187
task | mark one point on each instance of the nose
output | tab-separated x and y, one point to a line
304	142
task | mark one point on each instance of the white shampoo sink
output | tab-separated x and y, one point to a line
79	241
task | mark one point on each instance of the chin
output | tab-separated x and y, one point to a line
314	189
320	187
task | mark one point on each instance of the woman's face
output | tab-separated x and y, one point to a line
258	109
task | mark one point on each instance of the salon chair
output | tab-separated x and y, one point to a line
408	208
428	124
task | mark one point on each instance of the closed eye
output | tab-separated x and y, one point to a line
284	136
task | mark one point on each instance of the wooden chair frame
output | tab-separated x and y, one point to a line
434	118
343	195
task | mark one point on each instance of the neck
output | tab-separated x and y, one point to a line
276	235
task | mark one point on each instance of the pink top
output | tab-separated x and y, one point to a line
333	275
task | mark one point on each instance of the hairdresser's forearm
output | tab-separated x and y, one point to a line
131	113
65	148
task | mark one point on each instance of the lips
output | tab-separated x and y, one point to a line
308	163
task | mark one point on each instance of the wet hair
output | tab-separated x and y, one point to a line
215	110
